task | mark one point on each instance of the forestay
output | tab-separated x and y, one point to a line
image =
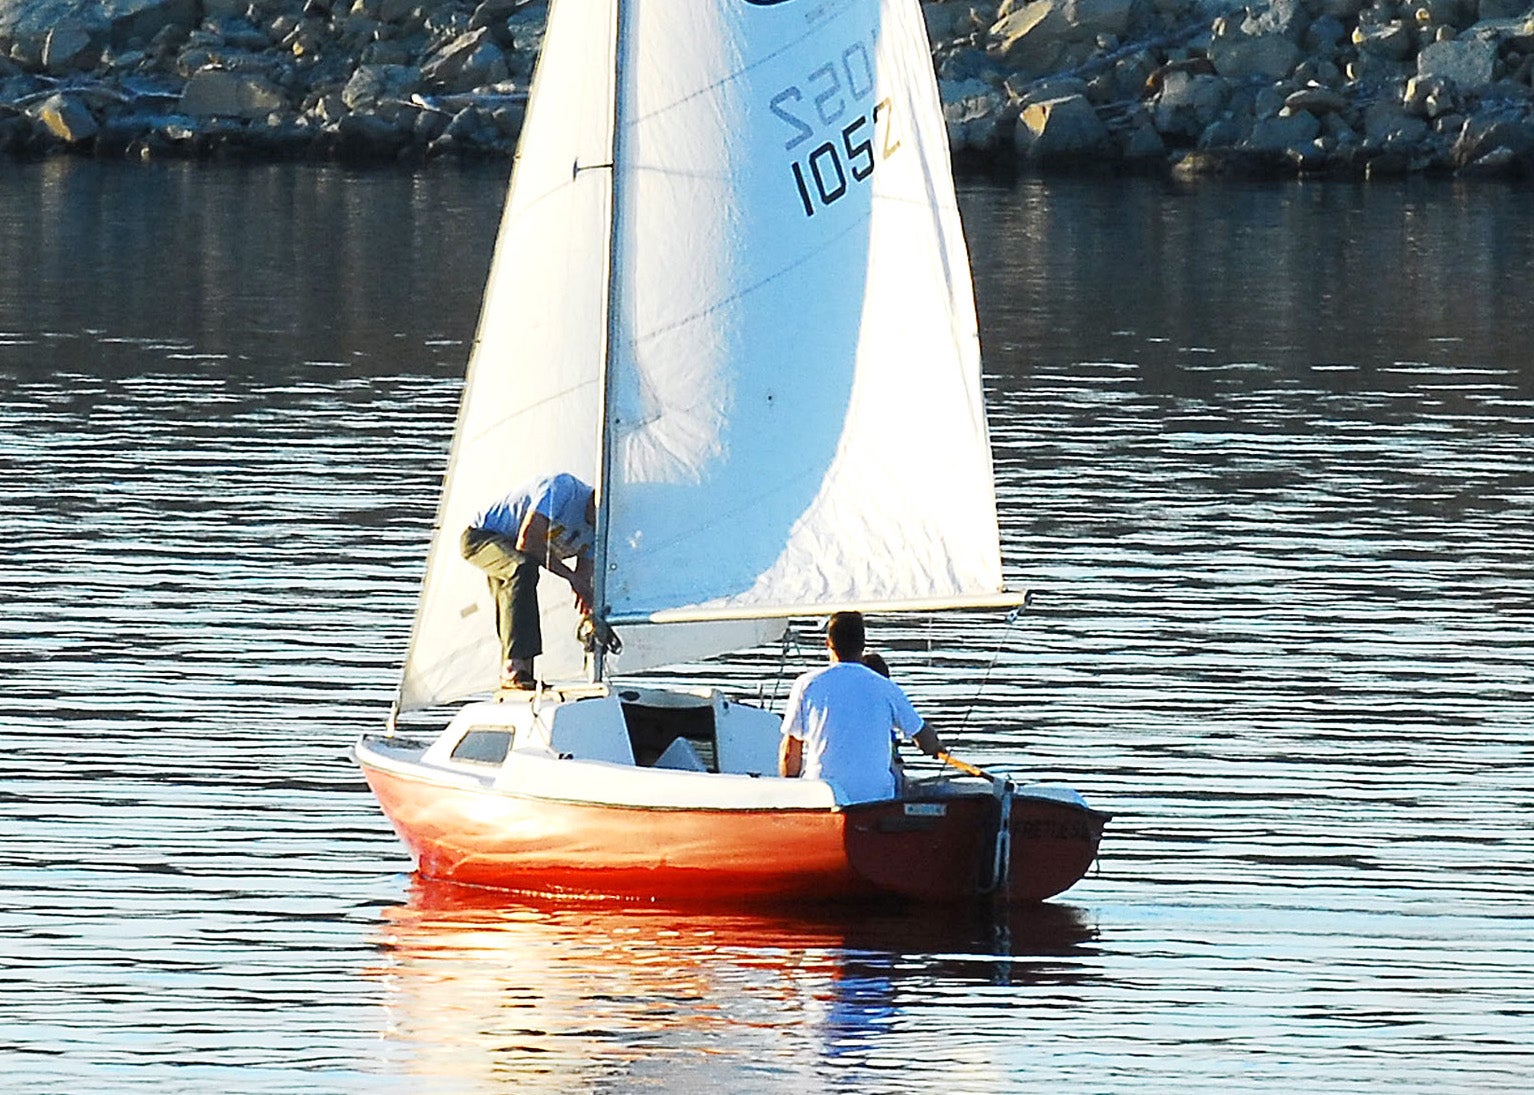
731	288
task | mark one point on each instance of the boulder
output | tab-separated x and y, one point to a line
1286	17
1037	37
1056	130
1392	40
469	61
1187	103
1144	143
1316	100
1386	123
1429	97
1284	132
1031	39
977	116
67	48
216	93
1238	55
120	23
372	83
1500	9
1480	137
1466	62
66	118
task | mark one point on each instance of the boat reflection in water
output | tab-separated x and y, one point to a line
483	987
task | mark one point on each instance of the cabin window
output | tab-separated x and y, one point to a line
652	729
484	745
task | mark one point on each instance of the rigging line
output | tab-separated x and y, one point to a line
985	678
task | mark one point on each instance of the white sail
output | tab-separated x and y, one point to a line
533	394
532	399
795	412
748	237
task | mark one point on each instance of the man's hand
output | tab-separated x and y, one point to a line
927	741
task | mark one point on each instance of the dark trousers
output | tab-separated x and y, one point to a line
514	586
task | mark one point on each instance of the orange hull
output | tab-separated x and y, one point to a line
934	850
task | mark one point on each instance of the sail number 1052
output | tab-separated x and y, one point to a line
825	174
832	112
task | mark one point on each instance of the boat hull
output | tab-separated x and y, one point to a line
938	846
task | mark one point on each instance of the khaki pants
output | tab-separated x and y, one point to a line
513	580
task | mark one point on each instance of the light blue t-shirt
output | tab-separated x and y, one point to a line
561	498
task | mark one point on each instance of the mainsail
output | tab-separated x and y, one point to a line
731	288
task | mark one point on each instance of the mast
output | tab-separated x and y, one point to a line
595	656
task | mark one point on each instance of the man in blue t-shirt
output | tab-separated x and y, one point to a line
838	721
542	524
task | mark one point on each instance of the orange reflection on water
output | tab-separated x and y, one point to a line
484	988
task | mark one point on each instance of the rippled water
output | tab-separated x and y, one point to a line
1263	456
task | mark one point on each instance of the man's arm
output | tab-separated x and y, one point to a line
927	741
533	541
790	757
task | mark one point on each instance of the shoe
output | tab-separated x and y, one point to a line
517	674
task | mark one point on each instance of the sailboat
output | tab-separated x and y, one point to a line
730	289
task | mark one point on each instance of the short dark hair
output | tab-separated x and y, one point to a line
845	633
876	663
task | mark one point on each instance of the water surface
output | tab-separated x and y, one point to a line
1261	454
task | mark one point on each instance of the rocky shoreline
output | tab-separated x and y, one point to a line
1272	87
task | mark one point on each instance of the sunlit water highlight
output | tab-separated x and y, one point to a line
1262	455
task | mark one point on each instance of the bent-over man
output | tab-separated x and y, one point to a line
541	524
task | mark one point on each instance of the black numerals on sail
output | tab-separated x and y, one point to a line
833	107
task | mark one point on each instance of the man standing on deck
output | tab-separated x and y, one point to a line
542	524
838	721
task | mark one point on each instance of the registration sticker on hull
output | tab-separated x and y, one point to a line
926	809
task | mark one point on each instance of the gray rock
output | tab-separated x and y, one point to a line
1051	87
1386	123
121	23
945	22
216	93
975	114
1429	96
1317	101
1237	55
1324	35
1498	163
1037	37
1284	132
68	47
369	137
1286	17
1467	62
1500	9
1346	10
1516	32
1060	129
371	83
1481	136
1226	131
1371	70
1393	40
469	61
1032	39
66	118
1144	143
1187	103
